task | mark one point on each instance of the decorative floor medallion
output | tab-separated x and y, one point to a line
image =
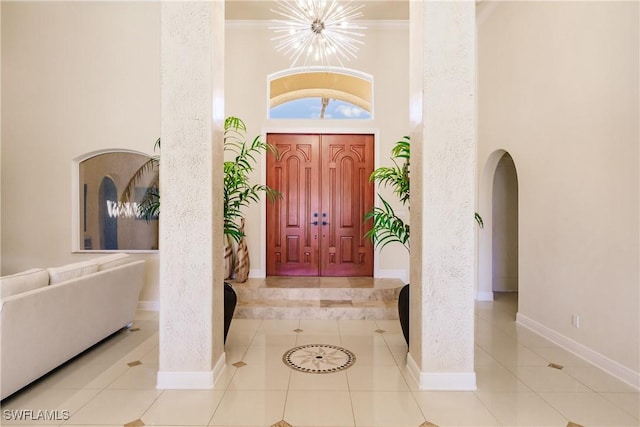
319	358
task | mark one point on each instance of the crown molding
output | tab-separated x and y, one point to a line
267	24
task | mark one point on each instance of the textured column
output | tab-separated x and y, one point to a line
443	163
191	282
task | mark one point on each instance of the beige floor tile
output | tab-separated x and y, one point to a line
233	354
271	339
516	356
356	327
239	339
531	339
249	408
543	379
151	357
370	355
306	381
244	326
318	408
454	409
389	325
629	402
223	380
399	353
560	356
482	358
394	339
115	407
278	327
589	409
78	376
598	380
487	336
376	378
319	327
372	339
140	377
183	407
515	387
307	338
394	409
266	355
261	376
498	378
521	409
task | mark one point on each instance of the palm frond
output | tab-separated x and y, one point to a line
238	192
150	166
387	226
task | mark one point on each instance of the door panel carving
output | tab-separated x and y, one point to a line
324	180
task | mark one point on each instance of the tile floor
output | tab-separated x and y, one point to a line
515	385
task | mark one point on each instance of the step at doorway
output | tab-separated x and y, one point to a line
318	298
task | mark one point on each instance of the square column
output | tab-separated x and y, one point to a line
191	251
443	171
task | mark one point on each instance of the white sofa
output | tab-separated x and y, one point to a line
48	316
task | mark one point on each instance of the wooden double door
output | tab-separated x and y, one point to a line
317	227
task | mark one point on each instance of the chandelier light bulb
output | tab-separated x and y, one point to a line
323	26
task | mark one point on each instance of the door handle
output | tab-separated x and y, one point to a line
314	223
324	215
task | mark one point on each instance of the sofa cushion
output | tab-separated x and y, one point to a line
71	271
22	282
109	261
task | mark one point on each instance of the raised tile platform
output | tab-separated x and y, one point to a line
317	298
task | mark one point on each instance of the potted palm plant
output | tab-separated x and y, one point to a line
239	193
387	226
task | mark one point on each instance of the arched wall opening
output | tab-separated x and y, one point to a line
504	233
498	240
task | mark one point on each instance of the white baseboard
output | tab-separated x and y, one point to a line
257	273
185	380
603	362
393	274
441	381
190	380
149	305
484	296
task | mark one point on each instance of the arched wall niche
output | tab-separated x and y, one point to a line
98	213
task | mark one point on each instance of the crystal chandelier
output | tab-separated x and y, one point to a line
317	31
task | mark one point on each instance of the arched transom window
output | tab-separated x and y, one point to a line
320	93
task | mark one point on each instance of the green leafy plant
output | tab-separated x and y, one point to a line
238	191
387	226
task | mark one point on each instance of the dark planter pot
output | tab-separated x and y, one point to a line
403	311
230	301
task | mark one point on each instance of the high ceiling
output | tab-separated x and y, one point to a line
261	9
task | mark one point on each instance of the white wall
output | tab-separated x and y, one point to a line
76	77
251	57
84	76
558	90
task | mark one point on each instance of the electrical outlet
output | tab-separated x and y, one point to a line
575	321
